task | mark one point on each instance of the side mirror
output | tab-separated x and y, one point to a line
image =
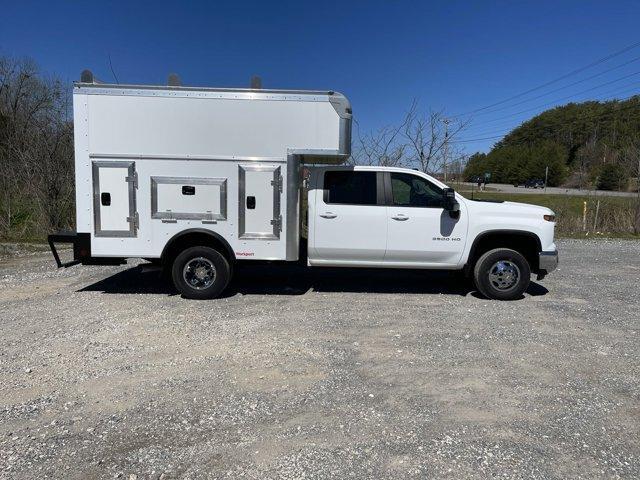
450	203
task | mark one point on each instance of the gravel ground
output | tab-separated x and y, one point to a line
106	373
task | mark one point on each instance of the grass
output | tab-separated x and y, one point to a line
615	216
573	202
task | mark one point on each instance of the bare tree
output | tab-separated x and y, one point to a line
422	141
383	147
456	166
36	151
431	139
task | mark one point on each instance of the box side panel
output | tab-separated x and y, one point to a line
209	127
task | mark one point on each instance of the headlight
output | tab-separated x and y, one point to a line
550	218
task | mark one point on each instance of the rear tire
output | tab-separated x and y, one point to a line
200	273
502	274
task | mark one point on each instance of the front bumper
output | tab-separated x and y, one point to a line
547	263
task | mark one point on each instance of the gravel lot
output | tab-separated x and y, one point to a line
105	373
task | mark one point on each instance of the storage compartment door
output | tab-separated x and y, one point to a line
189	198
114	199
260	188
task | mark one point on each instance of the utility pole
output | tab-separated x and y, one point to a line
446	122
546	178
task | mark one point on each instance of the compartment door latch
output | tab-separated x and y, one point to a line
133	179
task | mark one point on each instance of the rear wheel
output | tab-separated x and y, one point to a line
502	274
200	273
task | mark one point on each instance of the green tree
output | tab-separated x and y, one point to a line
518	163
548	154
476	166
613	177
575	139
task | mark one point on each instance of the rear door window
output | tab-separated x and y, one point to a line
350	187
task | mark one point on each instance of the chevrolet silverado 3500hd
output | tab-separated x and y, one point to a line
198	179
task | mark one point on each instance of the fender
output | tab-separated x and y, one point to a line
202	231
500	232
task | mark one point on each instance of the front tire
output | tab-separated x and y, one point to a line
502	274
200	273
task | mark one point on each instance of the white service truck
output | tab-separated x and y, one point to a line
199	179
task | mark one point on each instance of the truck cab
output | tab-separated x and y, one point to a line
400	218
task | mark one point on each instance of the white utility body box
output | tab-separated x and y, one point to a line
153	162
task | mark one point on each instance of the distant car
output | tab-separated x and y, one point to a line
531	183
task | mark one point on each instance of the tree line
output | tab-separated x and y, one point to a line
36	152
590	144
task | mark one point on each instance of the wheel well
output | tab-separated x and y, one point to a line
194	238
526	243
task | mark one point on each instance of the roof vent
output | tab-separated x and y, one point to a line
256	82
174	80
86	76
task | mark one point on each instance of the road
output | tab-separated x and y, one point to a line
106	373
503	187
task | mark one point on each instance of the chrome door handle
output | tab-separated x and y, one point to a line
328	215
400	217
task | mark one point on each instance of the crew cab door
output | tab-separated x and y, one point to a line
420	231
347	217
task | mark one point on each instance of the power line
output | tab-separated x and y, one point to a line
562	88
602	96
112	71
607	97
538	128
553	102
470	140
543	127
555	80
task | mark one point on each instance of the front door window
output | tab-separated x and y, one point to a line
413	191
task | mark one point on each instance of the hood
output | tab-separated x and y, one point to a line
528	207
508	209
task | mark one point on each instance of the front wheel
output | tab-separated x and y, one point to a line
502	274
200	273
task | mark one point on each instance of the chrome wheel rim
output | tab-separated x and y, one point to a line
504	275
199	273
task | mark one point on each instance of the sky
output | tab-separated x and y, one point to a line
454	56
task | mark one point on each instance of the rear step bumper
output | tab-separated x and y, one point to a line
81	250
81	246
